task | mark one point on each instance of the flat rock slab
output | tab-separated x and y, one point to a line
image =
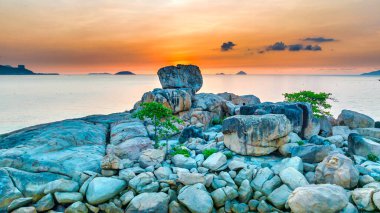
61	147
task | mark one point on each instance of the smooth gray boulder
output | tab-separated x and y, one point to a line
362	198
279	196
144	182
323	198
355	120
210	102
216	162
337	169
77	207
149	202
100	190
68	197
196	198
184	162
63	147
255	134
293	178
175	99
240	100
61	185
29	209
181	76
19	202
369	132
45	203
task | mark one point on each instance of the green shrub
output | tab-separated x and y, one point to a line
372	157
318	101
301	143
178	150
229	154
216	121
208	152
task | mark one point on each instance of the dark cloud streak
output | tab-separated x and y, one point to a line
227	46
319	39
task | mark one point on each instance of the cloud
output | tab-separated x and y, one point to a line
278	46
319	39
227	46
281	46
295	47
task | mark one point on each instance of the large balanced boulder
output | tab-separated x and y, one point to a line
337	169
181	76
359	145
324	198
149	202
300	115
61	147
175	99
355	120
255	134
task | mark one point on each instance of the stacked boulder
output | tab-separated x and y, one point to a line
180	85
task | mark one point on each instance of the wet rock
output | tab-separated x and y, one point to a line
181	76
337	169
355	120
196	198
149	202
324	198
99	191
255	135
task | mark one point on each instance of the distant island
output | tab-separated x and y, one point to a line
220	73
101	73
125	73
372	73
19	70
241	73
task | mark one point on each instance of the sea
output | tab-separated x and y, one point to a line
31	100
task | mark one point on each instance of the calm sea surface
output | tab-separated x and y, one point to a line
30	100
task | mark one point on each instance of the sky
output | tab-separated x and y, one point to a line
257	36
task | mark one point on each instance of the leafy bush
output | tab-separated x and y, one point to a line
229	155
318	101
178	150
301	143
208	152
372	157
216	121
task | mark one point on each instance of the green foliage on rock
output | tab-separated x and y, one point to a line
300	143
208	152
372	157
162	119
229	154
318	101
178	150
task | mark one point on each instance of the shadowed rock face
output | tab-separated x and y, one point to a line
255	134
61	147
355	120
181	76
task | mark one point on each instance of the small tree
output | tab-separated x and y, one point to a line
318	101
162	119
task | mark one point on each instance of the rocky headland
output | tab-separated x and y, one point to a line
19	70
267	157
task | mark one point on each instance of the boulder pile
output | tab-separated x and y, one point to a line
270	157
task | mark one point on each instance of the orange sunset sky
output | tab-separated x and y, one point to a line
74	37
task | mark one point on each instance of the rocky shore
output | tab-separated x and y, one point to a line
241	156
